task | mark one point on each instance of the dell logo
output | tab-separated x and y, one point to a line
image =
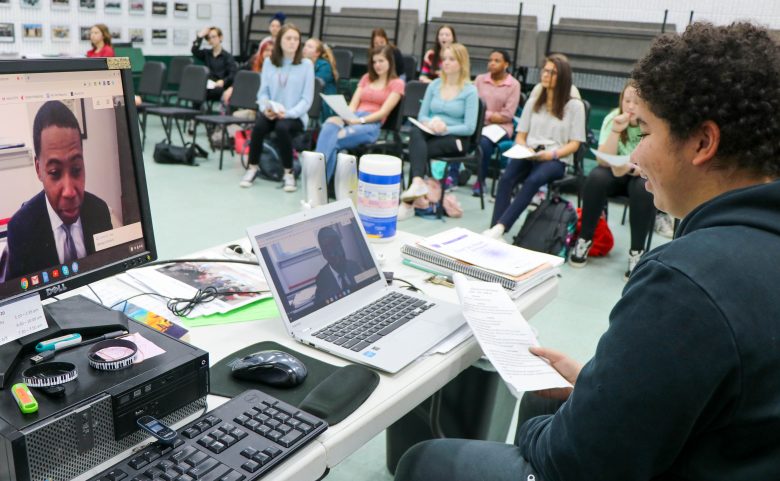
58	289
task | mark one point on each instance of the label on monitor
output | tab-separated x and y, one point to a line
21	317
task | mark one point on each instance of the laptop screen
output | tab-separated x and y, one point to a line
317	261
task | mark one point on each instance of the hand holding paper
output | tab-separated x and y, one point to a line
505	337
615	160
422	126
339	105
519	152
494	132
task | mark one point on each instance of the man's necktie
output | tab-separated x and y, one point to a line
70	247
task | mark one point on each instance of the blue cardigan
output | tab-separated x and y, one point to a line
290	85
460	113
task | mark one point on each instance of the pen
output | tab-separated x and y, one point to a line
46	355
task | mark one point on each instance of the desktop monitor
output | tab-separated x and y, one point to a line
73	201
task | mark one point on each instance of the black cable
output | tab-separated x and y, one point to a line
181	261
408	285
201	296
96	294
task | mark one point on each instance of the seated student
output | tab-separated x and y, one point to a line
379	39
620	134
449	108
552	116
431	65
254	64
274	25
501	94
288	81
221	64
324	69
100	38
377	94
682	384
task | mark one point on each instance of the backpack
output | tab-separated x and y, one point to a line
550	228
603	240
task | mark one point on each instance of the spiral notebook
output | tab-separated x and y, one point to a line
425	258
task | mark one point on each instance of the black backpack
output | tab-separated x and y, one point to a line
270	162
550	228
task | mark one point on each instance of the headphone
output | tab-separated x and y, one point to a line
235	250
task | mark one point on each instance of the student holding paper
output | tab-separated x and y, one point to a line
285	96
377	94
683	384
620	134
449	114
501	94
554	115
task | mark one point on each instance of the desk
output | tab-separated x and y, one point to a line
395	395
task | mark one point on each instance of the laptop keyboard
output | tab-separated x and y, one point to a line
371	323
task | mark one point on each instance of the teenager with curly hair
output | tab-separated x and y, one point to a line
683	384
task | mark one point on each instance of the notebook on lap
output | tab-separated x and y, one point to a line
332	294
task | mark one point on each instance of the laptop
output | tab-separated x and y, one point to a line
332	293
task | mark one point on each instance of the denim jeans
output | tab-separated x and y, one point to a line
533	174
329	143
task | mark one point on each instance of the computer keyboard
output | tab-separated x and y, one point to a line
239	441
374	321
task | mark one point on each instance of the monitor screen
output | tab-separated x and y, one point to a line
73	201
317	262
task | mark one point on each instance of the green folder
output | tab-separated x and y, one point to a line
262	309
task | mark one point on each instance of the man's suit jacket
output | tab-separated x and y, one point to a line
326	283
31	246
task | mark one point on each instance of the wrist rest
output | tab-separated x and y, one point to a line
341	393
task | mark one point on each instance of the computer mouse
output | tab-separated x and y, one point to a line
274	368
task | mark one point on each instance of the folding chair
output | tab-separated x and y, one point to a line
151	85
192	90
178	64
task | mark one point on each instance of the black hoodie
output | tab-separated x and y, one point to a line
685	383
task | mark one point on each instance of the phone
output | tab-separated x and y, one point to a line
153	426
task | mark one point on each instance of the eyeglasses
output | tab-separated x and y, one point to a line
549	71
213	36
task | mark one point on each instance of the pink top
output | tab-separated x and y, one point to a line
371	100
106	51
499	99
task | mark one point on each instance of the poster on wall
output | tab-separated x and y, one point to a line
5	3
32	31
204	10
60	33
159	35
30	3
112	6
60	4
136	35
84	33
181	9
180	37
87	5
160	8
6	32
116	33
137	7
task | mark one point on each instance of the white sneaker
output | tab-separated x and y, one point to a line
249	176
664	225
579	255
405	211
417	189
496	232
633	260
289	183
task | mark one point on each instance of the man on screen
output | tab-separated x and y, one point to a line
57	225
338	274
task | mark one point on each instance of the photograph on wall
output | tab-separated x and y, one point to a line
60	33
60	4
112	6
30	3
204	10
87	5
84	33
32	31
6	32
136	35
137	7
159	35
116	33
160	8
181	9
181	37
5	3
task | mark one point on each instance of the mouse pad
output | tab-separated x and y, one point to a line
224	384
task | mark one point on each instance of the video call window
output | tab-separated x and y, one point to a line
68	192
318	262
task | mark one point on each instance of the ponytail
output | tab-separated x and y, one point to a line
327	54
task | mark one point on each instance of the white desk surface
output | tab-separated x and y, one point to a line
395	395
